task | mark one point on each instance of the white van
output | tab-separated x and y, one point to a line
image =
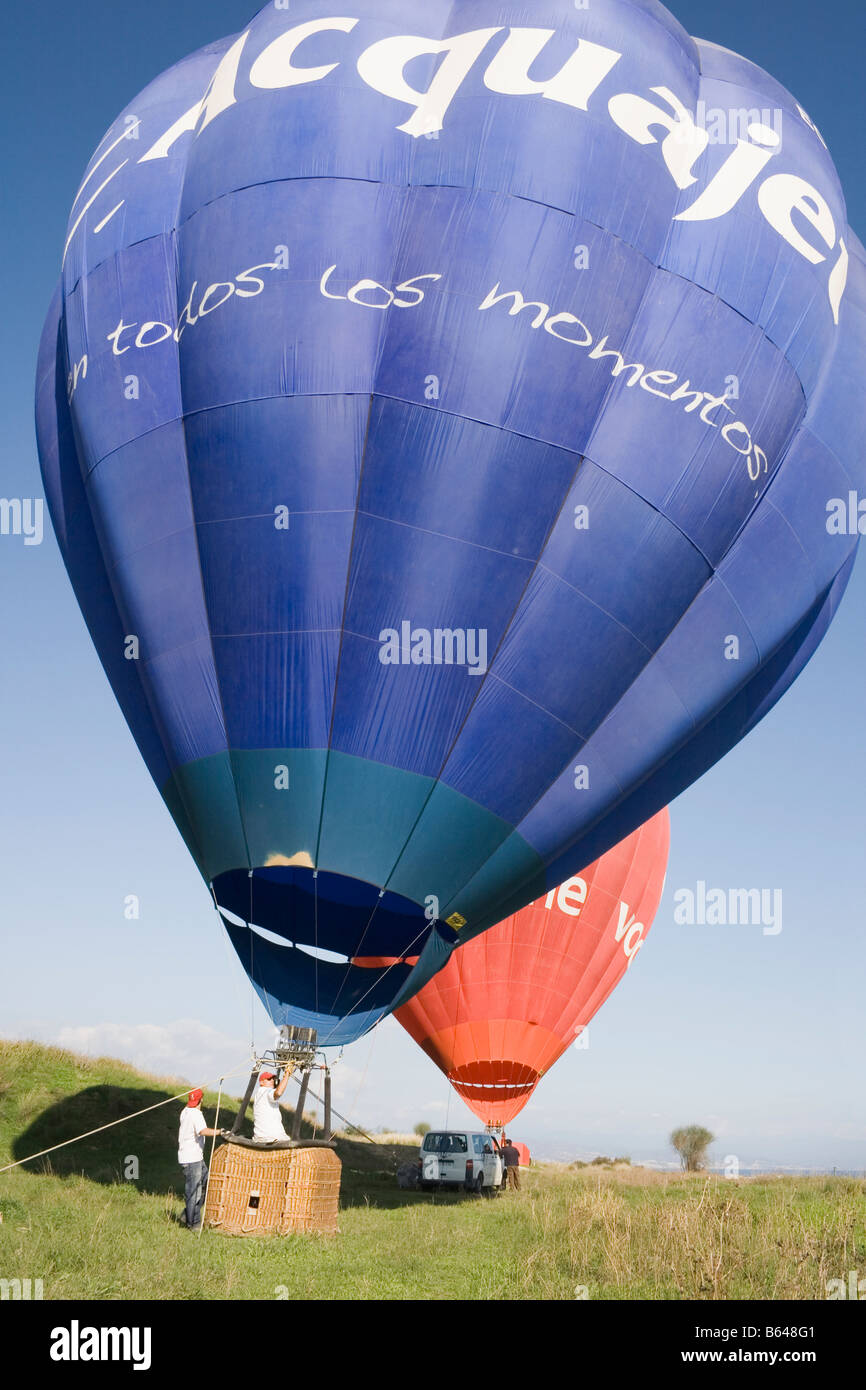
460	1158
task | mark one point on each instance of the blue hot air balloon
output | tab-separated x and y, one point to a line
450	425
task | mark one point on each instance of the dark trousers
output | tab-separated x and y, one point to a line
196	1181
513	1175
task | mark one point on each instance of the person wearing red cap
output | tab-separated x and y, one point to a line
190	1156
267	1124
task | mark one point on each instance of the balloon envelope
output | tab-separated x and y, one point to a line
508	1004
438	429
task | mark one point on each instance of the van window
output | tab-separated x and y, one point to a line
445	1143
478	1143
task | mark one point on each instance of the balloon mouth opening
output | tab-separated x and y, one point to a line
322	949
330	915
494	1082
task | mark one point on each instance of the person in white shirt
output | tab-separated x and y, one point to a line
190	1156
267	1124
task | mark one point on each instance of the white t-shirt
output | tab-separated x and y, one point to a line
266	1116
190	1140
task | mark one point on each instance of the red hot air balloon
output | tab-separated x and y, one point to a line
509	1002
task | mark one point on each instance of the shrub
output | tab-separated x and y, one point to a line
691	1143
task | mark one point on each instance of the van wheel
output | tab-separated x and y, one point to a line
479	1185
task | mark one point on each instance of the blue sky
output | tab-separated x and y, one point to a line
760	1037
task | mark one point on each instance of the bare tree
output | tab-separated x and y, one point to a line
691	1143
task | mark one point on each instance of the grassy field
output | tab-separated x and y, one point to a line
88	1233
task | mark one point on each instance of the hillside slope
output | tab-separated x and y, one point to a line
48	1095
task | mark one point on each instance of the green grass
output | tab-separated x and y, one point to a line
620	1233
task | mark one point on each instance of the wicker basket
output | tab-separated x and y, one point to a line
260	1192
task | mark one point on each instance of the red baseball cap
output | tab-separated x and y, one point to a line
266	1076
194	1097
